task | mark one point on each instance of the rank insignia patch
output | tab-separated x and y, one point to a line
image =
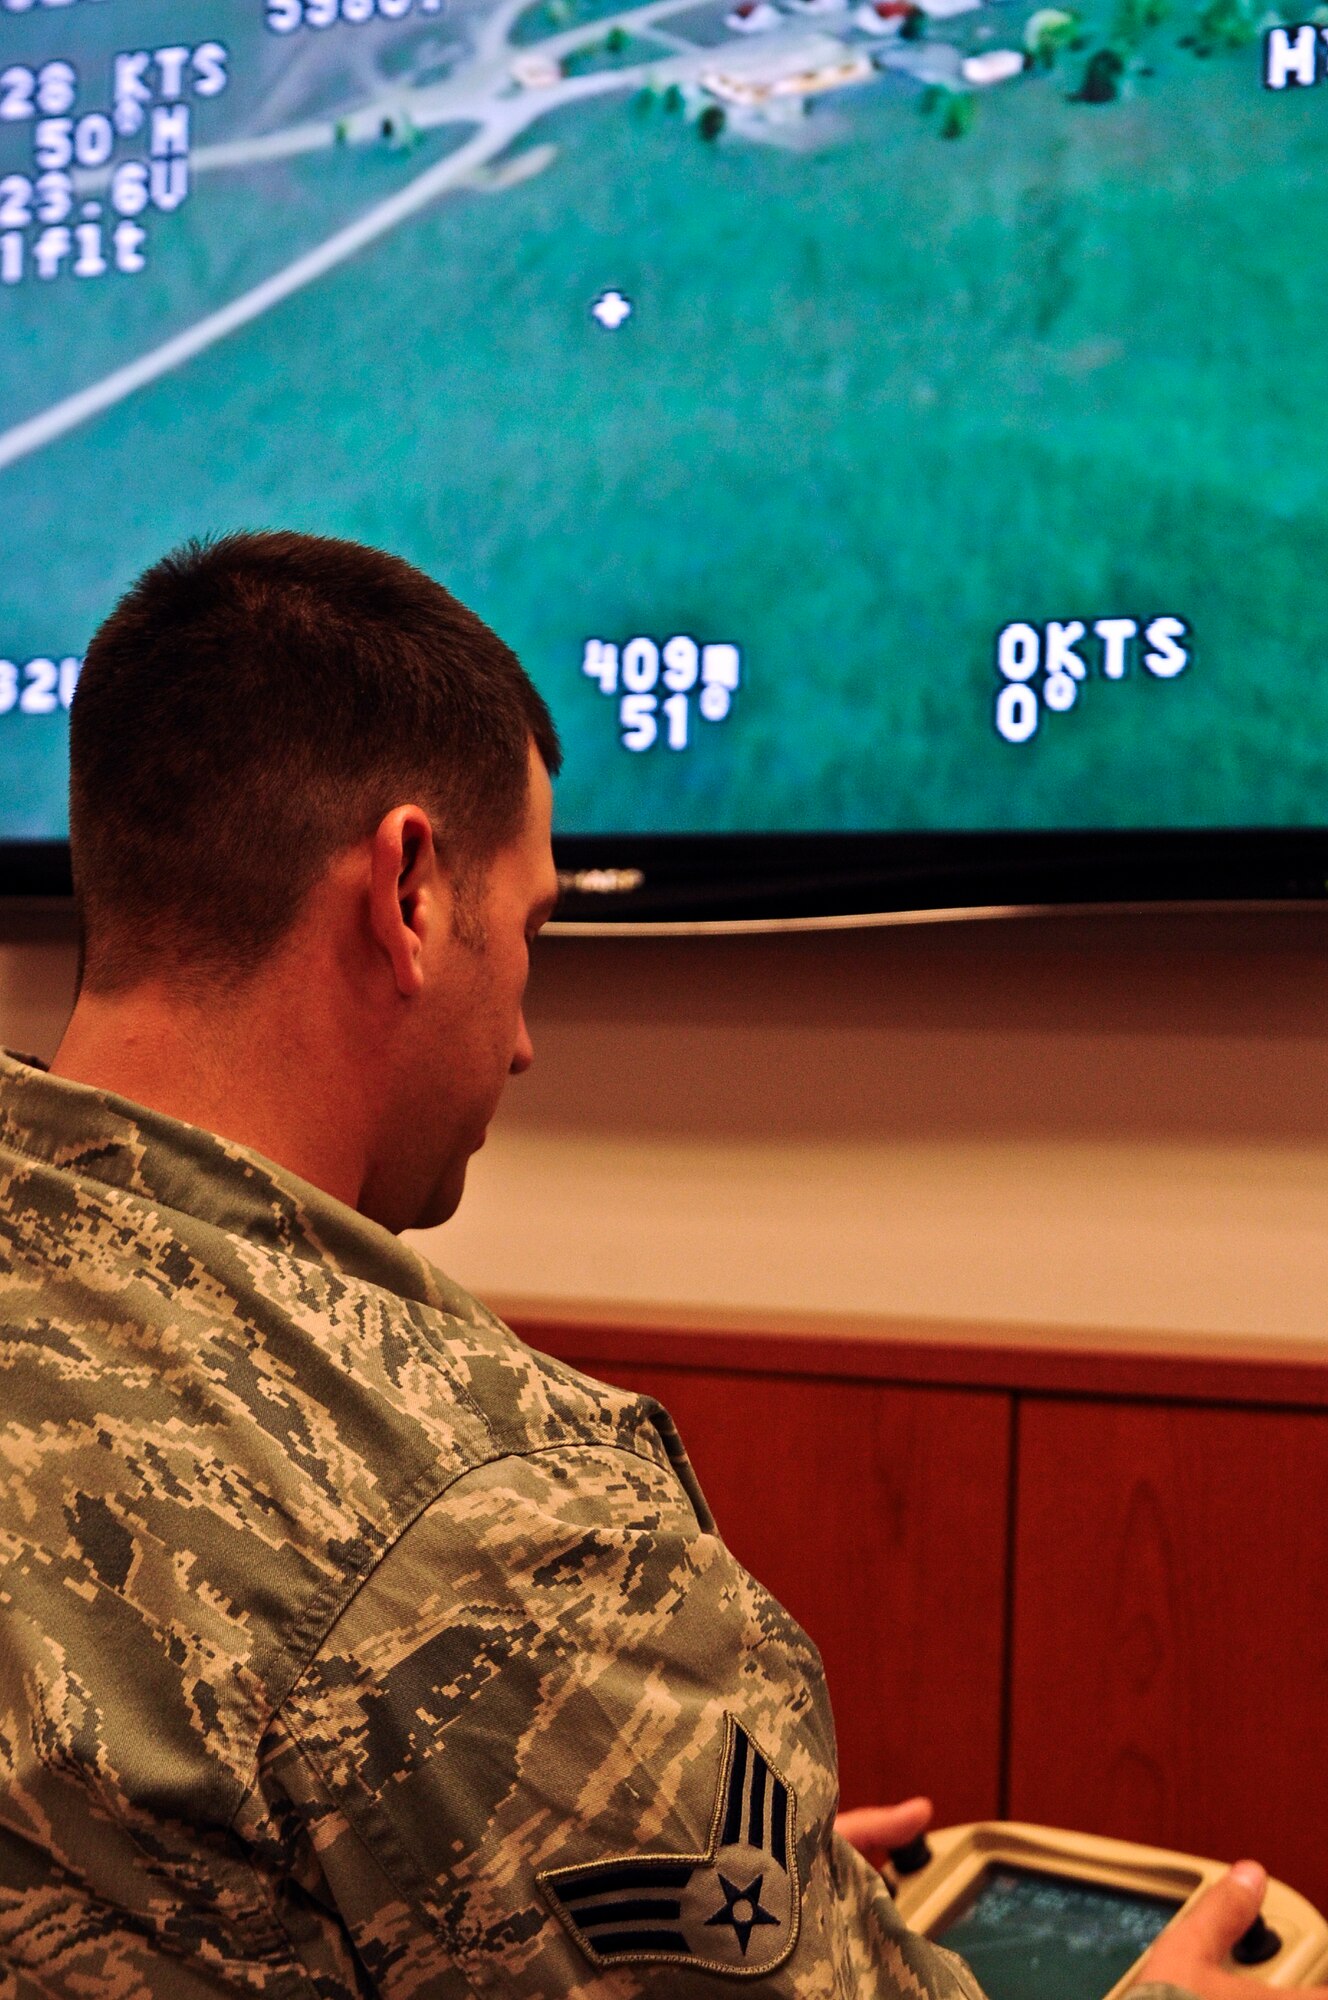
733	1909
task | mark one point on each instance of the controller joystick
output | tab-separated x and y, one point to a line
1256	1945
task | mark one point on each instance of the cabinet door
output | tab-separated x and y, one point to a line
1171	1630
877	1516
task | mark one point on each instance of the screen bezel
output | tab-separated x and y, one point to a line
929	1901
752	878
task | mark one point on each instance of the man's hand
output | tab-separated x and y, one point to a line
874	1830
1192	1952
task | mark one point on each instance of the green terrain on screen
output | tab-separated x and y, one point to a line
907	360
1034	1936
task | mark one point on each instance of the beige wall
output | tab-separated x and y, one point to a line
1114	1121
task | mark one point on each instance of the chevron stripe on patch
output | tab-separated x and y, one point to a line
733	1909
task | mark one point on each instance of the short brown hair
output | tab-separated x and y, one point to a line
254	704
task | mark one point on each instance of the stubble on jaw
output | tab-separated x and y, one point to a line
468	926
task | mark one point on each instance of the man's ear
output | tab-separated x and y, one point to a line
404	892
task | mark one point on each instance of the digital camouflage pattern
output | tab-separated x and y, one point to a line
349	1647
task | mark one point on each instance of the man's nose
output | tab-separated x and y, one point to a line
523	1055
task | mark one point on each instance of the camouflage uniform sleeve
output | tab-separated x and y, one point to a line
561	1744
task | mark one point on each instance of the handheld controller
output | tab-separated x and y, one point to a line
1041	1913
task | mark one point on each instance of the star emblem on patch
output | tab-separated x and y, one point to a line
742	1910
733	1909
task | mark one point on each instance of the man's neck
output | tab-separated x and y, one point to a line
260	1074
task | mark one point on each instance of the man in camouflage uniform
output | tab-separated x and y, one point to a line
347	1646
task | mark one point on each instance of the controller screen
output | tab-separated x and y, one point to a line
1033	1936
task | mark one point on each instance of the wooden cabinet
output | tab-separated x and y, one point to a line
1171	1629
1078	1586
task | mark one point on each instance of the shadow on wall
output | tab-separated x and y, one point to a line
38	969
1110	1025
1127	1025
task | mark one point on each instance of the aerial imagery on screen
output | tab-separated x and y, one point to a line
858	414
1034	1936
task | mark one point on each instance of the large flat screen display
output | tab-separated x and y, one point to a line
866	418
